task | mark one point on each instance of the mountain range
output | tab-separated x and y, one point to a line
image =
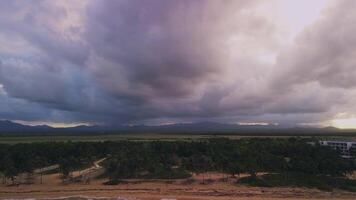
11	128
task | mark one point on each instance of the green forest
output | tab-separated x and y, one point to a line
284	160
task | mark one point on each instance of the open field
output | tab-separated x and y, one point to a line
98	138
214	188
151	137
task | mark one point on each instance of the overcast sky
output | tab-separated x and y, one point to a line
155	62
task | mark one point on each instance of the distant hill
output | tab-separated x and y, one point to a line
7	126
12	128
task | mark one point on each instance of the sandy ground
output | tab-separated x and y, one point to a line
216	189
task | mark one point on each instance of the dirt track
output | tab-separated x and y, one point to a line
156	190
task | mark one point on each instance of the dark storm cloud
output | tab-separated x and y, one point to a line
166	57
160	48
132	61
46	72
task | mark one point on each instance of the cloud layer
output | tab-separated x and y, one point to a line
132	61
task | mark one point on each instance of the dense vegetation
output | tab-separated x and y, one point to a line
301	180
22	158
176	159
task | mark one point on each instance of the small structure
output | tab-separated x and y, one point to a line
90	173
346	147
46	169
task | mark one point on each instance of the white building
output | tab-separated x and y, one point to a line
344	146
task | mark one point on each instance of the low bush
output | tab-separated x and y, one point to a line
325	183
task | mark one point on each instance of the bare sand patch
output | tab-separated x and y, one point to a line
217	189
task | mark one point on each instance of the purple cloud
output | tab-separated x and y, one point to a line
133	61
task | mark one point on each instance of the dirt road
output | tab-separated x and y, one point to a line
156	190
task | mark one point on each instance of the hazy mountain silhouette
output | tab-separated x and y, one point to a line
11	128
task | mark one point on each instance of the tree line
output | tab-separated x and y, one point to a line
178	159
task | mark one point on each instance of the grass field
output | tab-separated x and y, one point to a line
96	138
144	137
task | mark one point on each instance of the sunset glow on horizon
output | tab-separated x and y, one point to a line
348	123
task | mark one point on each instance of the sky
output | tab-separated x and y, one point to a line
155	62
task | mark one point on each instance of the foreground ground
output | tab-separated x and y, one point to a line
156	190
